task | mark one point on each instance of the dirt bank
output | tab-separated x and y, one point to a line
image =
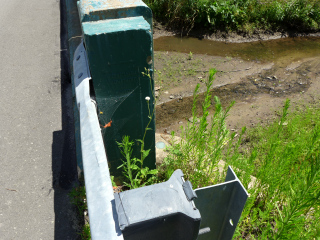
259	88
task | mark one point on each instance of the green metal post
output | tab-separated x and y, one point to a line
120	51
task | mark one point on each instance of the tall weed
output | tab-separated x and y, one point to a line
135	173
202	143
284	201
278	164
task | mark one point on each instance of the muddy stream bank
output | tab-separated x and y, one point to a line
258	76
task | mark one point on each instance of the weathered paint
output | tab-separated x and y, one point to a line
119	50
93	10
116	26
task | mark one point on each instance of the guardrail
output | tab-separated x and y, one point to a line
99	192
83	17
114	38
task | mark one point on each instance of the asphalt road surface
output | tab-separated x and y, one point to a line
33	128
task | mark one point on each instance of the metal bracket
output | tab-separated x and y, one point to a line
220	207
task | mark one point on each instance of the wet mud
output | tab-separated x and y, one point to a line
258	79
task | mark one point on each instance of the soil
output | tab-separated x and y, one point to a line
259	86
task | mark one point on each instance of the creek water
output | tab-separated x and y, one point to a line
280	50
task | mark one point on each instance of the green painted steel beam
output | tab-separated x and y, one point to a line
119	52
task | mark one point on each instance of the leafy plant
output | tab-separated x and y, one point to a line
136	174
86	234
238	15
202	142
77	197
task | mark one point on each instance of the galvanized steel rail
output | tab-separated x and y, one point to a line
99	192
91	157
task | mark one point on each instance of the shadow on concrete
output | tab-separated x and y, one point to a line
64	166
67	222
68	172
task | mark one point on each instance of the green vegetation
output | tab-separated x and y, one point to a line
279	164
78	197
85	234
238	15
284	157
135	173
202	143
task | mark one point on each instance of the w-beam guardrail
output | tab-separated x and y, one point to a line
99	191
110	91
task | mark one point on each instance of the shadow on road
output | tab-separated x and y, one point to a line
67	222
64	167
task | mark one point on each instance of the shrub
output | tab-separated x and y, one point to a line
237	15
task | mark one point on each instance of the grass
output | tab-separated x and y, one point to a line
284	157
285	160
238	15
78	198
279	164
85	234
